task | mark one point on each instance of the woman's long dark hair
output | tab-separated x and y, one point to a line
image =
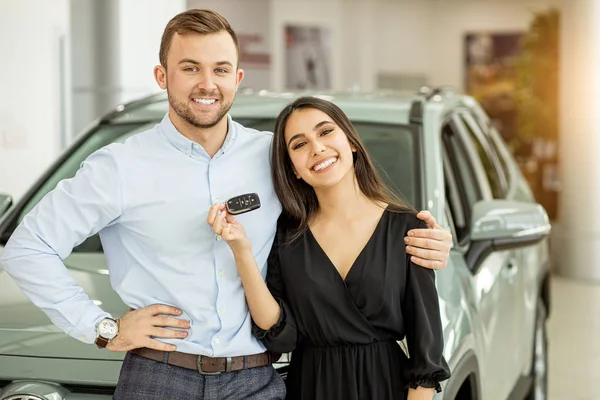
298	199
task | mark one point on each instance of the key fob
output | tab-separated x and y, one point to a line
242	203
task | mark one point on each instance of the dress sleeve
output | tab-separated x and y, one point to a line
281	337
421	311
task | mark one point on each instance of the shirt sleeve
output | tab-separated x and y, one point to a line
281	337
421	311
75	210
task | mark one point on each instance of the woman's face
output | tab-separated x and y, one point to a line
320	151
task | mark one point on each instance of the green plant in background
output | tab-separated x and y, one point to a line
536	94
535	144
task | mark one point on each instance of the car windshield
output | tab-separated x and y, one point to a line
393	148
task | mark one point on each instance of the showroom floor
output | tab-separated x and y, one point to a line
574	341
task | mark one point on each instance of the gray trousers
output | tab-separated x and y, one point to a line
142	378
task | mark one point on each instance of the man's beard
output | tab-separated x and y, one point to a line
185	112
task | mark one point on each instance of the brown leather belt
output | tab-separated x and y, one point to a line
203	364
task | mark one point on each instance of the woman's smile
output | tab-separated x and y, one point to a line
324	166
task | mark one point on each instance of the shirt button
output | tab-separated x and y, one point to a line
217	340
196	146
84	338
222	310
187	151
221	273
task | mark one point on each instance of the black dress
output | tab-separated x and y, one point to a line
344	333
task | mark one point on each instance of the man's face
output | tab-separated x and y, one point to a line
201	77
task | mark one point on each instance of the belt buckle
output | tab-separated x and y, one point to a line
199	367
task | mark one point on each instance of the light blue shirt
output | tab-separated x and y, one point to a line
148	198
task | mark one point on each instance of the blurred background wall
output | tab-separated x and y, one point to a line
35	115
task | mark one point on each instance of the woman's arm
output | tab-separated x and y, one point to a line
263	307
273	321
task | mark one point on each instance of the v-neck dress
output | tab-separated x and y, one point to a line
344	333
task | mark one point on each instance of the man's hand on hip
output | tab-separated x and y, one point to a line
430	247
137	326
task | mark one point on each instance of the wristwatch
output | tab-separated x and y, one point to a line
106	330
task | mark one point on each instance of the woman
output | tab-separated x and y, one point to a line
341	288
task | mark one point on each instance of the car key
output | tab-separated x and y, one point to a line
242	203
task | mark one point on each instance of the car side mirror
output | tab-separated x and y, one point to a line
5	203
505	224
508	220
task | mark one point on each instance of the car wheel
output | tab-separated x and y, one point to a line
539	367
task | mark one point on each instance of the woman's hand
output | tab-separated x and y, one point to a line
420	393
228	228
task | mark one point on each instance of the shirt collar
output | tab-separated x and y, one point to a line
187	146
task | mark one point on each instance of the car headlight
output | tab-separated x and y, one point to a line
33	390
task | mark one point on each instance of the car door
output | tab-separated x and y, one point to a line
528	258
494	278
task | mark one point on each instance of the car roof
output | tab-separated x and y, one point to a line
380	106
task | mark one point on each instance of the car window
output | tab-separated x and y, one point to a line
393	148
462	190
488	158
502	152
455	206
499	148
394	151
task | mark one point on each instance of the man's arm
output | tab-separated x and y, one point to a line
429	248
76	209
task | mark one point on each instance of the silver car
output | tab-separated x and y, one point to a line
438	150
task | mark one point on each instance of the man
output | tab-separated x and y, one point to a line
189	332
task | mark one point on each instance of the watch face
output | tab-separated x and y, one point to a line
108	328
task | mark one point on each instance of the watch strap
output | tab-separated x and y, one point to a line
101	342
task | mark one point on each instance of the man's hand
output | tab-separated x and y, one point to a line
136	327
429	248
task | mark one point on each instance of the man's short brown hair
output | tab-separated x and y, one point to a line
198	21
